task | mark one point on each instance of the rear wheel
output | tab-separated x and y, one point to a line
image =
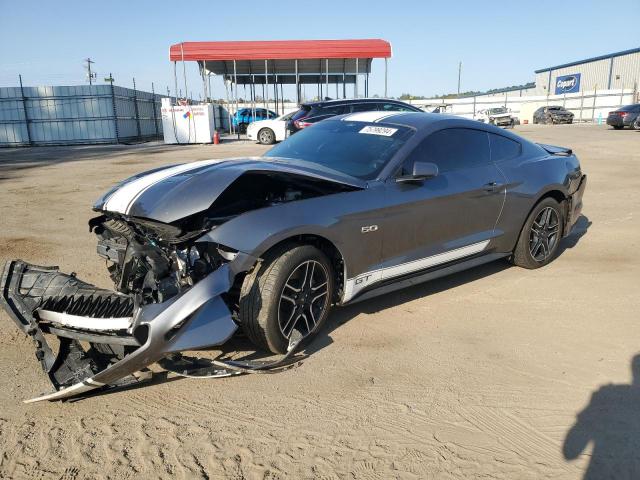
540	237
617	127
266	136
289	294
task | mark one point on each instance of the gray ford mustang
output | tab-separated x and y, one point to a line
352	207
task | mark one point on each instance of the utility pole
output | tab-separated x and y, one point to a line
459	76
89	62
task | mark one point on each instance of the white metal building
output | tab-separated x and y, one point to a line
620	70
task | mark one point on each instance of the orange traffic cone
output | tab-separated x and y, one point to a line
216	137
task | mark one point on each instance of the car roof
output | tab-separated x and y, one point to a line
346	101
407	119
423	122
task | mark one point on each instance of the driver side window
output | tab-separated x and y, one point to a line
451	149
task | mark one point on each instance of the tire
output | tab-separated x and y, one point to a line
266	136
269	302
617	127
532	250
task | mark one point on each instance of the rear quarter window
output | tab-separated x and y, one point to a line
332	110
503	148
451	149
303	112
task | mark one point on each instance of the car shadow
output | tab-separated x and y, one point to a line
611	423
390	300
13	161
579	230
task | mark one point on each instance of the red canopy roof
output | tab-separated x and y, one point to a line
280	50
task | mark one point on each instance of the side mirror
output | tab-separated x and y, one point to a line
421	171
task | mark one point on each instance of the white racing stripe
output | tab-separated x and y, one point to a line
354	285
434	260
370	116
122	199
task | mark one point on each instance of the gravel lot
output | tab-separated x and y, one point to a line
478	375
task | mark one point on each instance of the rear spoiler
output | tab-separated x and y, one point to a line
555	150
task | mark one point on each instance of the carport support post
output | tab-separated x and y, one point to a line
355	85
226	89
386	67
204	84
252	90
275	94
235	92
326	74
344	79
366	85
175	79
297	85
266	81
24	110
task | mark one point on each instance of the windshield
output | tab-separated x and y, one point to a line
494	111
556	108
287	117
357	149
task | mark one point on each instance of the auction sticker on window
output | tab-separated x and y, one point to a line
384	131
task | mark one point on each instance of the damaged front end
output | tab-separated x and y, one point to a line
175	288
171	295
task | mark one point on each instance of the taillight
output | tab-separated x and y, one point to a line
301	123
621	114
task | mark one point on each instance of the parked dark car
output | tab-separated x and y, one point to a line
552	114
624	116
310	113
357	206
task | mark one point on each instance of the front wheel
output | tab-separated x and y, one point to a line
288	295
540	237
266	136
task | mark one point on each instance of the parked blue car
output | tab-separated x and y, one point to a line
245	116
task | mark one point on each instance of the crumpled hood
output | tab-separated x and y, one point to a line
173	192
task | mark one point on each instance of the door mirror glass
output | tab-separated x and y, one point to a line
421	171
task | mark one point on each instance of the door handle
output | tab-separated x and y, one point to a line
491	187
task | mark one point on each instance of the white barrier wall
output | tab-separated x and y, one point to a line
589	106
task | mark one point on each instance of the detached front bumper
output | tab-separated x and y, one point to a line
123	337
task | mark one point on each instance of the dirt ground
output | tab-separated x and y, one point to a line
478	375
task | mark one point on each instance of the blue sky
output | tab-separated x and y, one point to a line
499	43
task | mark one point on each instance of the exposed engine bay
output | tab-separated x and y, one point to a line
155	261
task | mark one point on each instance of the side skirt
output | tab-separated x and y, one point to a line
425	276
